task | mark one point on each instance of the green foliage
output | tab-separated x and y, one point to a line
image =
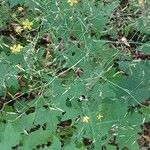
81	79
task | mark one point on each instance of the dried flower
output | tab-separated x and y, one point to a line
18	29
20	9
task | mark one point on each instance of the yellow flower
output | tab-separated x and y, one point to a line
85	119
72	2
16	48
18	29
20	9
27	24
99	117
141	3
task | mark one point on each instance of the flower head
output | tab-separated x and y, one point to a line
85	119
99	116
27	24
20	9
72	2
16	48
141	3
18	29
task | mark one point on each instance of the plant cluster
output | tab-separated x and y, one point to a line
75	75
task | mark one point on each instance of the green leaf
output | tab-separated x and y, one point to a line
12	84
10	137
15	2
56	144
25	122
33	139
144	48
71	113
128	131
50	117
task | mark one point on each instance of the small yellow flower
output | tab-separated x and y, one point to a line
27	24
16	48
72	2
20	9
99	117
18	29
85	119
141	3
